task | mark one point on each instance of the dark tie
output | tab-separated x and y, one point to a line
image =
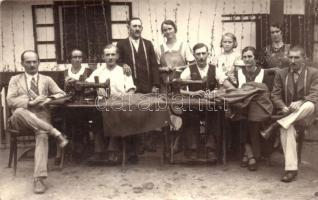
34	87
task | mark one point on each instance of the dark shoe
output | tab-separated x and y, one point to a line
133	159
289	176
268	132
252	166
244	161
62	140
39	187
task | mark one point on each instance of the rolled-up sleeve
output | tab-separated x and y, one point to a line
185	75
129	83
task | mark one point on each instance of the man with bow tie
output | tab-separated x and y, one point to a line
27	95
295	95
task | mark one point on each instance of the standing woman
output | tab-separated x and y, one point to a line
173	54
274	55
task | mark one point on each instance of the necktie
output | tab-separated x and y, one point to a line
34	87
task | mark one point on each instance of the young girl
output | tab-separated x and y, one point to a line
226	60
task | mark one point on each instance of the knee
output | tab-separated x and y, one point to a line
309	106
19	112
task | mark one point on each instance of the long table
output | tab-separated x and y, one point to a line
137	113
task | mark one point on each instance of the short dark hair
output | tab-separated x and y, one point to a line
231	35
109	46
76	49
298	48
28	51
252	49
199	46
132	19
277	25
169	22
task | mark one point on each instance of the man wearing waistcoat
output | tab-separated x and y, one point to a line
138	53
295	94
200	70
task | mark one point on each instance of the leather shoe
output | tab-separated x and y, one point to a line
289	176
252	166
39	187
268	132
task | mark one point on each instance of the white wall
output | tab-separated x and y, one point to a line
202	16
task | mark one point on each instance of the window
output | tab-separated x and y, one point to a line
44	36
89	26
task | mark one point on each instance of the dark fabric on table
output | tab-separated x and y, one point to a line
138	113
253	99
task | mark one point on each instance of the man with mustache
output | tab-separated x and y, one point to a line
295	95
214	78
27	95
138	53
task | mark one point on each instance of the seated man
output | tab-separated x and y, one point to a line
200	70
120	84
27	94
295	94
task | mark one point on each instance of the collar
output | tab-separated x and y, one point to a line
29	76
133	40
298	71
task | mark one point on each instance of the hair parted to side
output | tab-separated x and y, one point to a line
169	22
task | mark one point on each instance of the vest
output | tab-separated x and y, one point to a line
210	83
242	79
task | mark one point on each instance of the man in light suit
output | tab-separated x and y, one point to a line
295	94
27	95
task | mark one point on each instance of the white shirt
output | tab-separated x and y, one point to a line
119	82
135	43
78	74
29	79
219	76
225	61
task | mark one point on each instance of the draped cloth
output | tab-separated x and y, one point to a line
253	100
134	114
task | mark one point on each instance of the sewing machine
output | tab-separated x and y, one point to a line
85	91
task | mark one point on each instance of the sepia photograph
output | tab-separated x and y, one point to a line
159	99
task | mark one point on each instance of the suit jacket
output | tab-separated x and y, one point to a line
18	95
125	57
307	87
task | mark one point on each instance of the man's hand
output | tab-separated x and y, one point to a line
127	70
285	110
37	100
294	106
199	93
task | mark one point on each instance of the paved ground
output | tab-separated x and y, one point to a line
150	180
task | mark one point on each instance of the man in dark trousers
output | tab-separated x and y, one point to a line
295	94
138	53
